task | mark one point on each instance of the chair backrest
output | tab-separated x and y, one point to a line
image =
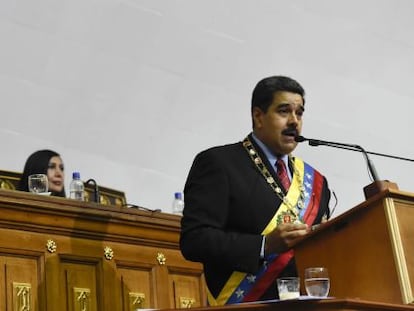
9	180
107	196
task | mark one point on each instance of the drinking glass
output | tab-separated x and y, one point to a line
288	287
38	183
317	282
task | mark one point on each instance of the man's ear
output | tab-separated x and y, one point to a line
257	115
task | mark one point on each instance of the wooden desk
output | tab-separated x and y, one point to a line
313	305
61	254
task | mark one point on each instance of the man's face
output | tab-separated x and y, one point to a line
278	126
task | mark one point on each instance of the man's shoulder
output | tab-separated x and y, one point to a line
223	149
225	157
220	153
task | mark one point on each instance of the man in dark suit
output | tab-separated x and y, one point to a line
243	206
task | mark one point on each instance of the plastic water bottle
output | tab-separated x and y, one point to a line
76	187
178	204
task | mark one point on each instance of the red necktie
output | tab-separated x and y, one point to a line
282	174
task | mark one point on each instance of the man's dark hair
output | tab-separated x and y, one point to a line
266	88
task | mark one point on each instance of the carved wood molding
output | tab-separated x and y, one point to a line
22	296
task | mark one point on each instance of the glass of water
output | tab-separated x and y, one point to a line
317	282
288	287
38	183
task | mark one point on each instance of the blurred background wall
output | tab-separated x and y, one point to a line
128	91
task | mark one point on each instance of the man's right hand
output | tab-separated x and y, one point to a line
278	240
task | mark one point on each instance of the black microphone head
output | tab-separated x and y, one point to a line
300	139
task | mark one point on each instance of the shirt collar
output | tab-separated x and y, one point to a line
269	154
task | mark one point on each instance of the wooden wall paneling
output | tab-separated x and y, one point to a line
136	284
19	282
22	279
136	276
80	280
186	289
87	256
55	298
3	283
162	288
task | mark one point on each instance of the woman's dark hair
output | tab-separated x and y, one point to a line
266	88
37	163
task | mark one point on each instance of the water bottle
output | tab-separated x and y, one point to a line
76	187
178	204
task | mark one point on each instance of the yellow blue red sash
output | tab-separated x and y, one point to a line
243	287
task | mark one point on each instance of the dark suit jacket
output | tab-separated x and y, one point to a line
227	205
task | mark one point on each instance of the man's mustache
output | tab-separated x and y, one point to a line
291	132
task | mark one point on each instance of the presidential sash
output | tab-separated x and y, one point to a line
301	203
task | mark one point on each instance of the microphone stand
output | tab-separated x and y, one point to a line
96	195
377	185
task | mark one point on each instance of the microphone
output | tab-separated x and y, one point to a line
317	142
96	196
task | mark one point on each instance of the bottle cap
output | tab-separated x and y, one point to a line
75	175
178	195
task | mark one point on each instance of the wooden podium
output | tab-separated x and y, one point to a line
369	250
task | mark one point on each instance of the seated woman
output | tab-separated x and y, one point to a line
45	162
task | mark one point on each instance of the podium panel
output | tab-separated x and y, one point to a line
368	250
67	255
